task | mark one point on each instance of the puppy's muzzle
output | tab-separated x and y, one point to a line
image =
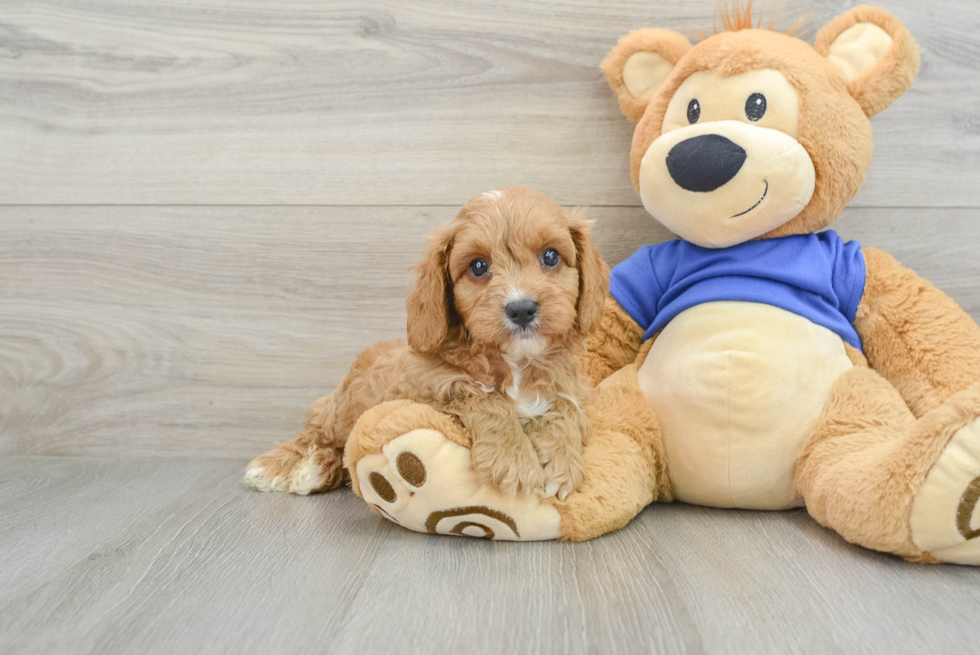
521	313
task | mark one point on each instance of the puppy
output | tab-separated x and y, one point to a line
504	298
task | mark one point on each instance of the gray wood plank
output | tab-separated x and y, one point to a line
386	102
206	331
180	526
178	557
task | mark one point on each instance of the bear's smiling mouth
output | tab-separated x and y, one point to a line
758	202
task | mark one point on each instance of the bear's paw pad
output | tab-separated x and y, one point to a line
423	481
945	517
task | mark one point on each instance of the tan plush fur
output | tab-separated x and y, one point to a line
833	128
915	336
880	86
869	455
670	45
833	122
883	429
613	345
519	390
889	419
735	16
625	464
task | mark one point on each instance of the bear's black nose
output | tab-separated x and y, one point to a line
704	163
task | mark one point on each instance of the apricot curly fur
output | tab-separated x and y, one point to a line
464	358
917	384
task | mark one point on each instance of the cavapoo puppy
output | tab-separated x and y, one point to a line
503	301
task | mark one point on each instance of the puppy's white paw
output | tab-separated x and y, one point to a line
564	474
512	468
306	477
285	469
258	478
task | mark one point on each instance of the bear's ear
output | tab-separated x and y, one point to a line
874	52
639	64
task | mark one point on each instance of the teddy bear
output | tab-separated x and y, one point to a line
757	361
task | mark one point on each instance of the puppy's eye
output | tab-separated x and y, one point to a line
693	111
479	267
550	258
755	107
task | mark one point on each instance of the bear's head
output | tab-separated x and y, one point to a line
753	133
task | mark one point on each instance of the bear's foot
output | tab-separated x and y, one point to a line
945	518
412	465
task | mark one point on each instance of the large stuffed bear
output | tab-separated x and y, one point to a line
757	361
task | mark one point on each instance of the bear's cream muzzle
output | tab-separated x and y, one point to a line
720	183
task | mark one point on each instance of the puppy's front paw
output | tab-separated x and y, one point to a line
510	466
564	473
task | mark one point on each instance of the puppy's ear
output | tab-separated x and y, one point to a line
429	298
593	274
874	52
639	64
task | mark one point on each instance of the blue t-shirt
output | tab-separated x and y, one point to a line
816	276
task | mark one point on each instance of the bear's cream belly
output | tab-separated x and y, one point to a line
738	387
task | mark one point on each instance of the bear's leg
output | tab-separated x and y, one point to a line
625	464
888	481
412	465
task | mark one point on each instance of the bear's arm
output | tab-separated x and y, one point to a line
914	335
614	345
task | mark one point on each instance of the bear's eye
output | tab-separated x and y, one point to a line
755	107
693	111
479	267
550	258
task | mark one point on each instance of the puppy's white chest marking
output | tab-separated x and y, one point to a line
532	407
528	407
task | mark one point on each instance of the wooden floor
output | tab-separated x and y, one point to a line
173	556
209	207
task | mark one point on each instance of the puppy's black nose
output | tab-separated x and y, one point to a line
704	163
521	312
